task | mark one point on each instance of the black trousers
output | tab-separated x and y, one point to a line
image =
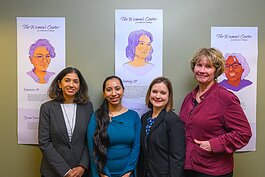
191	173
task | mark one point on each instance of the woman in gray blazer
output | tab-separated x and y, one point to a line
63	126
162	151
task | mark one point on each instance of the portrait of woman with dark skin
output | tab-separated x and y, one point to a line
63	125
216	125
236	71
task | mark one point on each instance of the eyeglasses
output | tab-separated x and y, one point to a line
234	65
41	57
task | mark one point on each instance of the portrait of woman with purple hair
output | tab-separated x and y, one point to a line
139	51
40	54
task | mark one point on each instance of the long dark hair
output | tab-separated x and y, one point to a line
56	93
101	138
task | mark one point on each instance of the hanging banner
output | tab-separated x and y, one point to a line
138	53
239	46
40	56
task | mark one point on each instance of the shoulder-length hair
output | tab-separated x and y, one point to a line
55	92
133	41
167	82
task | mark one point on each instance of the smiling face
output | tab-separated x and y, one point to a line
40	59
113	92
70	85
144	47
204	71
159	96
233	69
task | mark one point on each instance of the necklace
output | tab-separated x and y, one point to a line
71	123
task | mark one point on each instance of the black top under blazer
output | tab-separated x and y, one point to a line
59	154
162	153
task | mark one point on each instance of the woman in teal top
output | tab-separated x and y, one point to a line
113	134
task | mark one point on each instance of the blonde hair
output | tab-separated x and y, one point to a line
214	56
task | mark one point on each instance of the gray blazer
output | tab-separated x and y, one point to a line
59	154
